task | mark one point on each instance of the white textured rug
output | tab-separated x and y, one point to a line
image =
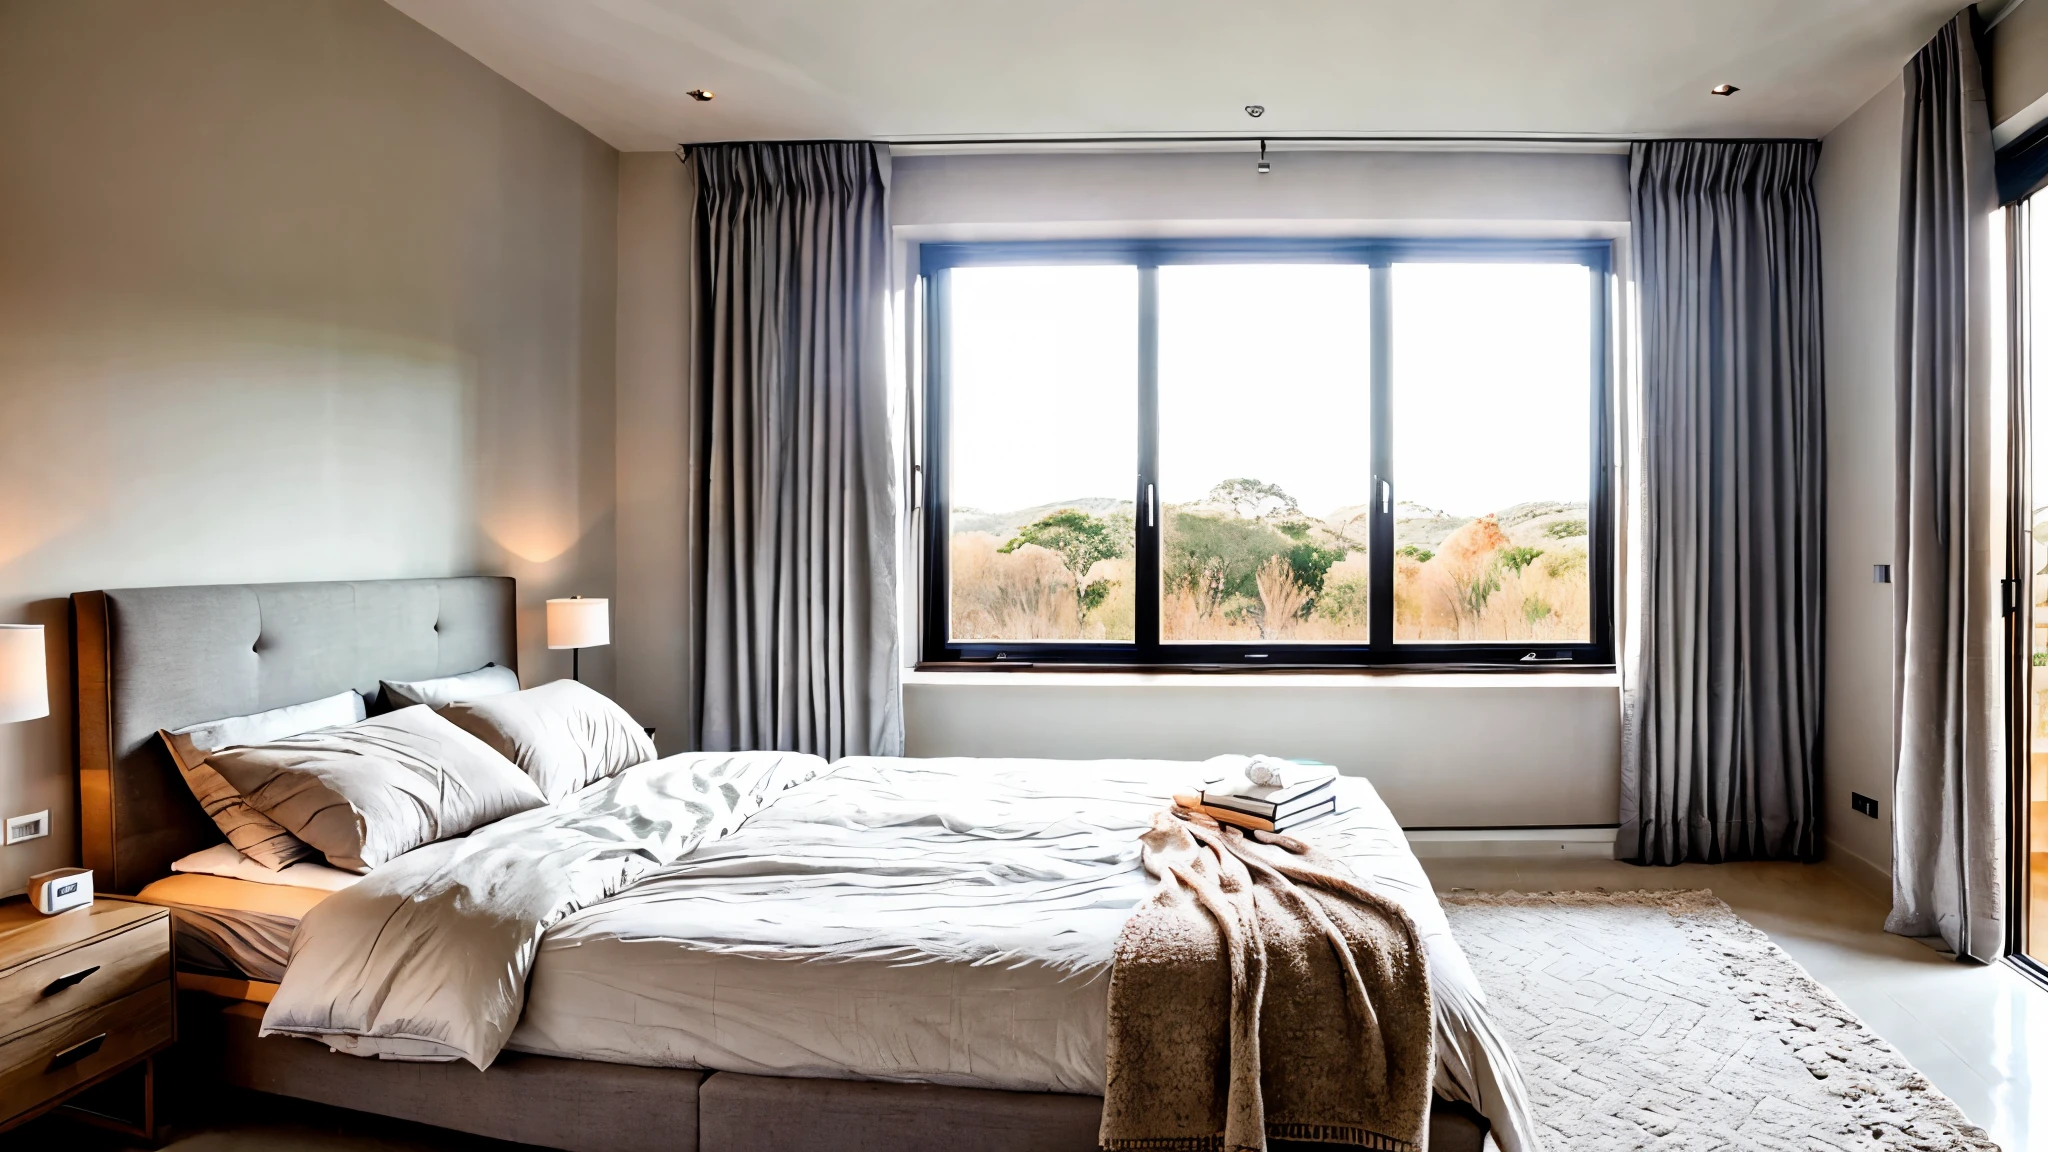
1662	1020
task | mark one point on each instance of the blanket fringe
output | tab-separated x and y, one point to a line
1338	1134
1168	1144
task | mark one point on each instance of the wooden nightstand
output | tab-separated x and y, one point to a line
84	996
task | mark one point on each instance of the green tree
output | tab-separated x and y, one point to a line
1311	564
1218	558
1254	499
1564	529
1519	558
1080	541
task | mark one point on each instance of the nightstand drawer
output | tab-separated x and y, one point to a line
41	1065
96	973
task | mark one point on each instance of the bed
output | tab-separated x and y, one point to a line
896	953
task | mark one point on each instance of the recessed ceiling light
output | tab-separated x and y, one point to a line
706	95
1723	90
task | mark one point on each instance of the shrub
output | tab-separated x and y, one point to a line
1217	558
1080	541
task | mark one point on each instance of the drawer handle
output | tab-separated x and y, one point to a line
63	982
76	1052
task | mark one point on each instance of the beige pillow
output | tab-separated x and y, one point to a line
250	832
375	790
563	734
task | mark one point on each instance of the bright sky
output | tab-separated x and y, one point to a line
1492	388
1264	373
1044	385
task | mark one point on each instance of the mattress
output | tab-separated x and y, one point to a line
224	926
943	921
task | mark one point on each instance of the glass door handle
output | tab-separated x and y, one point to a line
1386	495
1151	508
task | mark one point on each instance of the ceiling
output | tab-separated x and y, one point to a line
987	69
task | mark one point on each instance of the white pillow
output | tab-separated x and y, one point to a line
375	790
248	830
489	680
565	735
223	860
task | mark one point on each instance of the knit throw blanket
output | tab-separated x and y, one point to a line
1261	992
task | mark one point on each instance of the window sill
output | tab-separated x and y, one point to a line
1096	676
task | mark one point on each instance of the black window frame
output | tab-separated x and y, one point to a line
935	264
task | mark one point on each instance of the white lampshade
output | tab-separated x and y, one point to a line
24	686
579	623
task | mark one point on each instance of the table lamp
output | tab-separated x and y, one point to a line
24	684
575	623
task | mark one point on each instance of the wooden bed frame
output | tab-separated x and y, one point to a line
155	658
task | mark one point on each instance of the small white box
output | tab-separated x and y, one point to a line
60	890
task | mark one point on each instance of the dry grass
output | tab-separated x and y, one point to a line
1466	591
1028	594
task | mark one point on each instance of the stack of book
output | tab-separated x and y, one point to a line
1307	790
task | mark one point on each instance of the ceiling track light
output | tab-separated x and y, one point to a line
1723	90
1264	165
702	95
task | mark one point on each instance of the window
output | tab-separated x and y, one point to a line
1267	453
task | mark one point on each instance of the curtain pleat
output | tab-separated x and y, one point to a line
1948	804
796	491
1721	755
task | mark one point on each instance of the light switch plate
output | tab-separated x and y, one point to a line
30	827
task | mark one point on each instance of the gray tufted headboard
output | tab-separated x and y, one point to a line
150	658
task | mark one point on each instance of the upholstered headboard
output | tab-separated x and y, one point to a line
150	658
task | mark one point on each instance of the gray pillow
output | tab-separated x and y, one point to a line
489	680
563	734
375	790
253	834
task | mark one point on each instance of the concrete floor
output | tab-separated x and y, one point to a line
1972	1030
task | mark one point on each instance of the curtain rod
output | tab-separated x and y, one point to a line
1252	138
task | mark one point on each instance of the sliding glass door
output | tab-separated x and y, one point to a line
2027	589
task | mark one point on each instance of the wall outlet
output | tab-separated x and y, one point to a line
1863	804
29	827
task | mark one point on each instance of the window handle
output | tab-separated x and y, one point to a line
1151	508
1386	495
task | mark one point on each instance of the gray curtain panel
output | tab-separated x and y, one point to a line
1948	801
1721	755
796	524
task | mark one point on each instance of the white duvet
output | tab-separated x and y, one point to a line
946	921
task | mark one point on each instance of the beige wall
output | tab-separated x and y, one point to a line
2017	54
652	612
1857	187
1476	751
1219	193
288	291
